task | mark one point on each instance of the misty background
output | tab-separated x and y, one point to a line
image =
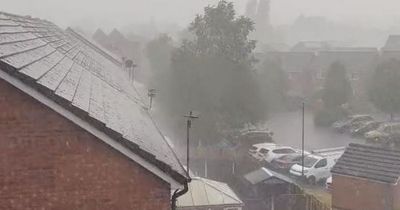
174	15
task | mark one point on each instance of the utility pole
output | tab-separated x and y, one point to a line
189	118
302	142
151	93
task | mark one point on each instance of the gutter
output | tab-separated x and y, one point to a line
178	193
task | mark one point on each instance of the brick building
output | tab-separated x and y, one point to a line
366	178
74	133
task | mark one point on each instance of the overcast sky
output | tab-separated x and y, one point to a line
376	13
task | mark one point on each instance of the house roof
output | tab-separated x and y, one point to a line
264	175
353	59
392	43
77	75
369	162
292	61
207	192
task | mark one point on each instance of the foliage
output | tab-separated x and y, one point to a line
337	88
385	85
213	72
274	84
158	52
326	117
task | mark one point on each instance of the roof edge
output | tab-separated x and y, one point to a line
174	180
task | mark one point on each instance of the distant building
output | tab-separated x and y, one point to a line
367	178
207	194
74	133
391	50
296	66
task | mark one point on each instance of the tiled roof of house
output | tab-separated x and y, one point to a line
206	192
370	162
81	78
354	59
292	61
392	43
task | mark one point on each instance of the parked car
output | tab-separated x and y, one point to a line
285	162
278	152
364	128
259	151
317	168
344	125
250	137
383	132
328	184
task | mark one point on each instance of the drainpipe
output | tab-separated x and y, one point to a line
178	193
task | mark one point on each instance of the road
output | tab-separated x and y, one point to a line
287	131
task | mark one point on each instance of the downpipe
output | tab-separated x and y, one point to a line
178	193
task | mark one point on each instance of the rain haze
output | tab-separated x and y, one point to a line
200	104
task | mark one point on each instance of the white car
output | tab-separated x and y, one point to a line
259	151
316	168
278	152
328	184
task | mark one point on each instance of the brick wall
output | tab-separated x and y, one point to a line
358	194
396	201
47	162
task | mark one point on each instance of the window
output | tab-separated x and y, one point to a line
284	151
264	151
321	163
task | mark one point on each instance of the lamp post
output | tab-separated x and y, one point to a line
151	93
302	141
189	118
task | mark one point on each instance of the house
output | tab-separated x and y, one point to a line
296	66
391	50
74	133
366	178
207	194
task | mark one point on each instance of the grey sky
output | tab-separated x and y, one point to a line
122	12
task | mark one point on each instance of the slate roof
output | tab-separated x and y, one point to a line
79	76
370	162
206	192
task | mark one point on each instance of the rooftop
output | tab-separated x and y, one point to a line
369	162
84	80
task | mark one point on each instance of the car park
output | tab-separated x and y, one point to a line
248	138
344	125
278	152
383	132
285	162
317	166
259	151
364	128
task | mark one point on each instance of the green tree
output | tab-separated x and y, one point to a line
158	52
274	84
337	88
384	87
213	73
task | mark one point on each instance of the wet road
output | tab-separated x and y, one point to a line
287	131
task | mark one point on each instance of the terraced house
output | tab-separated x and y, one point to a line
74	132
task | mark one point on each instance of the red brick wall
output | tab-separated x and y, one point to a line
357	194
47	162
396	201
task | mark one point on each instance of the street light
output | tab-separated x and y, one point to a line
302	142
151	93
189	118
